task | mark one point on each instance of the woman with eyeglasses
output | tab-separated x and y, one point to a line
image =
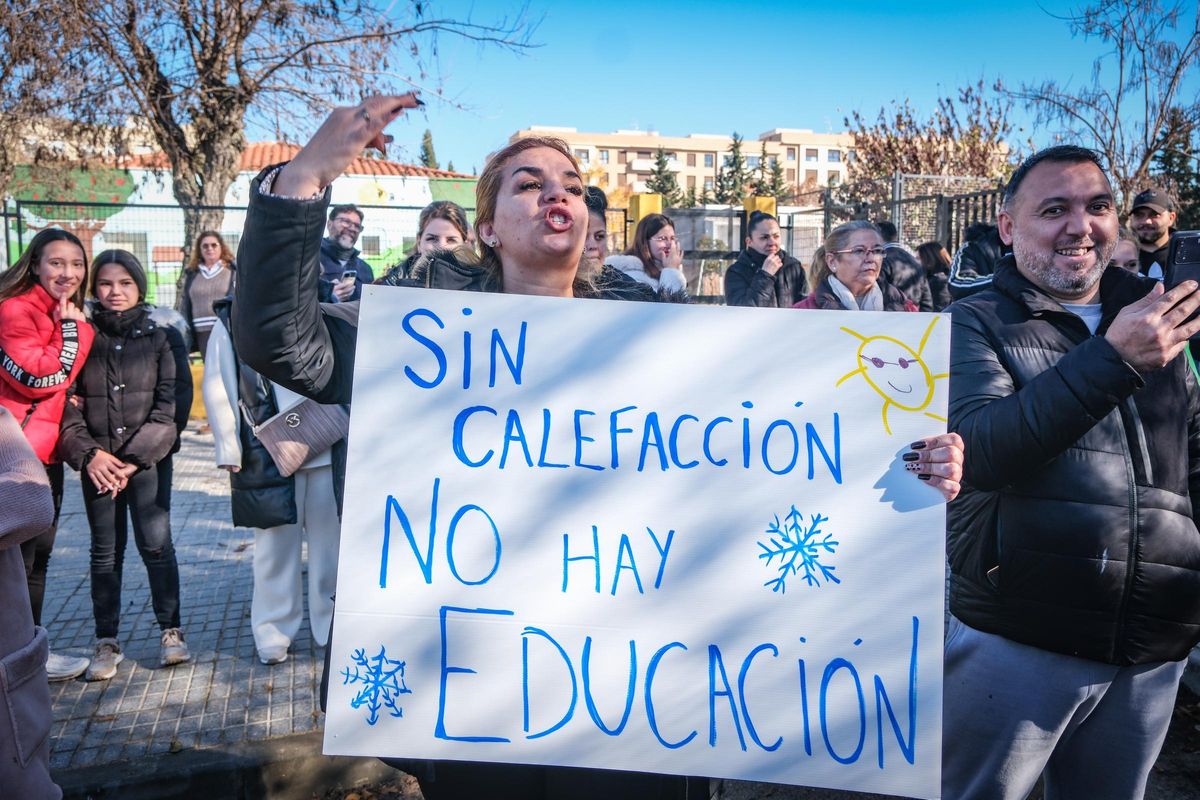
847	276
654	257
207	278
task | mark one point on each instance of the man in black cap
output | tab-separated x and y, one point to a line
1153	222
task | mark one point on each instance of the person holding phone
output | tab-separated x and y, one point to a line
340	262
44	341
1074	553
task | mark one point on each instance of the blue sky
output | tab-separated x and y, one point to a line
708	67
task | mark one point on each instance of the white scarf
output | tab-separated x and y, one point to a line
213	271
871	301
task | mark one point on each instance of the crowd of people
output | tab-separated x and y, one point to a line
1072	467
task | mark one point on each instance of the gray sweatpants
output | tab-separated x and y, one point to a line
1011	711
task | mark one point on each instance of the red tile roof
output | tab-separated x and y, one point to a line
263	154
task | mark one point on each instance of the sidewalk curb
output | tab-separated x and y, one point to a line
287	768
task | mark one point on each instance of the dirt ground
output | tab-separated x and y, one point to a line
1176	775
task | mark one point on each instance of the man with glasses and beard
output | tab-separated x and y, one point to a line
1075	558
339	257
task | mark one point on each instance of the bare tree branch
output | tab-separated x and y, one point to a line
195	73
1134	106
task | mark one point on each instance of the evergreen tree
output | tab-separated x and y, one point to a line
450	166
777	185
1177	168
762	175
427	157
732	177
662	180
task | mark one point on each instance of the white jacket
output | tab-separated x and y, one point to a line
669	280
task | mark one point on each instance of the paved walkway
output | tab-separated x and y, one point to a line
224	695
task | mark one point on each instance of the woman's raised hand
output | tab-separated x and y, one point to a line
341	139
674	259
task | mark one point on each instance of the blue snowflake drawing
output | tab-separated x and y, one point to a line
382	681
794	548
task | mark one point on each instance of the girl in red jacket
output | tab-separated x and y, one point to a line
44	340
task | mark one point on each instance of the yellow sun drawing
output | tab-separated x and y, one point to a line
896	372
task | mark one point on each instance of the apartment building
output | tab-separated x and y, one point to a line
626	158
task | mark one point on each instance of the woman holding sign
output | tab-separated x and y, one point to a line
531	220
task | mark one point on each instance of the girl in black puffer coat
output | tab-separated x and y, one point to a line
119	430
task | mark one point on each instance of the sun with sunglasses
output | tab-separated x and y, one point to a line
896	372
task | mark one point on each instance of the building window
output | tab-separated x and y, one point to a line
835	178
622	179
370	246
772	161
810	154
691	159
791	176
752	162
791	154
621	156
691	181
709	160
708	184
603	156
851	156
581	155
644	154
810	177
835	156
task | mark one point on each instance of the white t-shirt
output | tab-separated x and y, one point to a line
1088	312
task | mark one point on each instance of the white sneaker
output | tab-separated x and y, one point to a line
65	668
273	655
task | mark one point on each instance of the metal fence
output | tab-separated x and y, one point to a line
922	208
712	236
155	234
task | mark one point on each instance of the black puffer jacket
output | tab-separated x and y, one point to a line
135	391
260	496
746	284
901	269
1074	532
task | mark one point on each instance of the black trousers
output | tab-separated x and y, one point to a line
36	551
146	500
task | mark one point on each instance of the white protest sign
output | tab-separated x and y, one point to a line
638	536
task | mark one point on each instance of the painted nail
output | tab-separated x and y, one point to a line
911	457
911	467
921	445
924	477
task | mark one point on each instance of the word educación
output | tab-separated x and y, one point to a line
833	702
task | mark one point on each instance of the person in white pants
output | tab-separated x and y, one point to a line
276	608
